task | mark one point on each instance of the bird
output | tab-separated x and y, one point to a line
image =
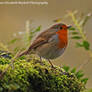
50	43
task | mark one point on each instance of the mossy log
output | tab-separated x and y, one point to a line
37	76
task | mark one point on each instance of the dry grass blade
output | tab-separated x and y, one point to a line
3	46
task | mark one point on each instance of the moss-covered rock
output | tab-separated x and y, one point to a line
37	76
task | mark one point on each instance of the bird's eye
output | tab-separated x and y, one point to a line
60	27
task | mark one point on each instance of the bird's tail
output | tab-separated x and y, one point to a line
22	53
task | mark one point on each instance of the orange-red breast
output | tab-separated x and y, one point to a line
50	43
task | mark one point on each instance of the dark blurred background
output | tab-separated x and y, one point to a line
14	17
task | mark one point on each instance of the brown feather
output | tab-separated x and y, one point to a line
42	39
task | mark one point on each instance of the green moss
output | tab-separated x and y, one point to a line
36	76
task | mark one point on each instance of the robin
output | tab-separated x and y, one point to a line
50	43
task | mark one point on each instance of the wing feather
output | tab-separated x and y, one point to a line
42	38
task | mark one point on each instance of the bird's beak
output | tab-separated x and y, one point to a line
69	27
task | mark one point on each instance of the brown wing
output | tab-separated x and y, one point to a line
42	38
37	43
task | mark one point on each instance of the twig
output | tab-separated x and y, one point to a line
80	29
77	25
82	65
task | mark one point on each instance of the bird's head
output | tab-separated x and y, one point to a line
60	27
61	31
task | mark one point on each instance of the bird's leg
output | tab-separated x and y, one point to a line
40	58
51	63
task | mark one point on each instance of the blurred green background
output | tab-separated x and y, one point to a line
14	17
